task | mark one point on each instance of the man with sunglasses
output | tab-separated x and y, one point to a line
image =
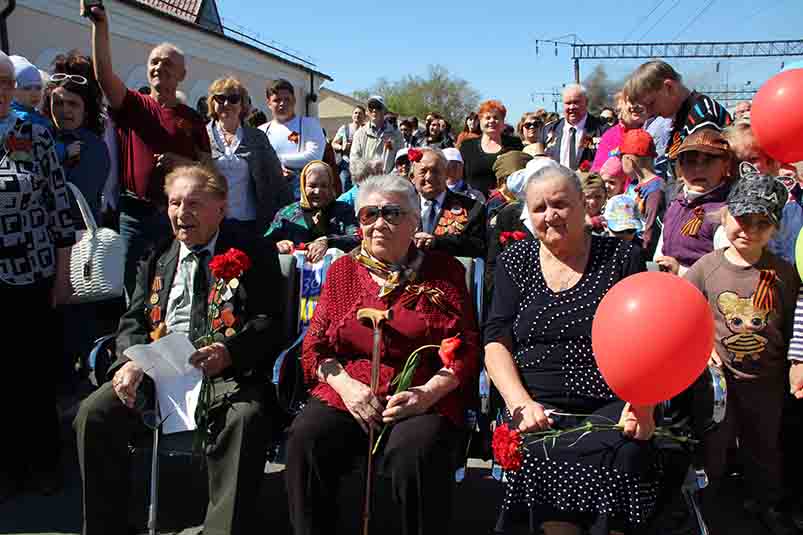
157	133
450	222
376	139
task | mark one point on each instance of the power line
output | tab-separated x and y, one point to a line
677	2
643	19
694	18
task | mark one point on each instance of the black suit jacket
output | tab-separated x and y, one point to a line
271	189
552	137
255	345
461	226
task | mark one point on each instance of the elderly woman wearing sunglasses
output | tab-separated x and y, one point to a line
425	293
245	157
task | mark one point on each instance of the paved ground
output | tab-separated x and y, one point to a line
476	502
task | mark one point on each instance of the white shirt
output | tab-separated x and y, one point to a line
310	146
437	206
179	301
242	203
578	139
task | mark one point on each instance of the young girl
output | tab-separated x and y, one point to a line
691	220
613	176
638	157
752	294
595	198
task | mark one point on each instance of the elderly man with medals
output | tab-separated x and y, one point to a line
212	284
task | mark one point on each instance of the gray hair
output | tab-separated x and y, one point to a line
361	169
555	171
171	48
574	87
438	154
391	185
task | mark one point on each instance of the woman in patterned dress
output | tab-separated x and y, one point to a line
36	234
539	356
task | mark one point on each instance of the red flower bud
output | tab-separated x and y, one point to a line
414	155
585	166
447	351
519	235
507	446
301	247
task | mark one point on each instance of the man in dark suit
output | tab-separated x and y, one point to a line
573	139
234	328
450	222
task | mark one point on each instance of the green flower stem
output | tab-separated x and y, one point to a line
402	382
589	427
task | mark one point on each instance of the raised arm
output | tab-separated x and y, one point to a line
114	88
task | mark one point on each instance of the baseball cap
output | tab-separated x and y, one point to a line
707	140
638	142
25	72
376	99
621	214
452	155
758	194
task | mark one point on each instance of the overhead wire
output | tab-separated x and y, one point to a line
643	19
660	20
699	14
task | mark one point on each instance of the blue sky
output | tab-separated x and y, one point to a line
492	43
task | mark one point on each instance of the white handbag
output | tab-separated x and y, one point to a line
97	260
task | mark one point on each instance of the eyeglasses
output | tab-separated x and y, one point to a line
232	99
391	213
74	78
531	125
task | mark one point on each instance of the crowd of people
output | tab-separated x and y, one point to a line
561	208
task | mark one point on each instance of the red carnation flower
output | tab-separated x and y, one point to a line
447	351
229	265
414	155
507	447
519	235
515	235
301	247
585	166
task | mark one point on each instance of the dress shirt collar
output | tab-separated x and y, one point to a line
580	126
438	202
184	251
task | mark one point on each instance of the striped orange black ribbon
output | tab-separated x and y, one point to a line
692	226
764	298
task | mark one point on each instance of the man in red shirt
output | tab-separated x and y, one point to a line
157	133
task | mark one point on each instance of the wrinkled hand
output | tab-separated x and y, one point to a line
638	422
424	240
212	359
669	264
796	379
362	404
714	359
317	250
405	404
284	246
530	416
126	382
98	13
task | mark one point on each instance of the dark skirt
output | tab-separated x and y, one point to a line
580	477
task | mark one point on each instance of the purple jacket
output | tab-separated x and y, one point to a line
688	249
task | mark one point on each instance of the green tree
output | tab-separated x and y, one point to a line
438	91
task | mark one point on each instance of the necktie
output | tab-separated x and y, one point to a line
573	148
430	215
200	293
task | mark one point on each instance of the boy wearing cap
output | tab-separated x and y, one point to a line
402	163
752	296
638	157
622	218
454	176
28	94
692	219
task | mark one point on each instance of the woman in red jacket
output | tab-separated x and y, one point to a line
427	296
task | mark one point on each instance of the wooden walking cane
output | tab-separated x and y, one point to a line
377	318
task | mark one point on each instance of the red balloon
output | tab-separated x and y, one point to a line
652	337
777	116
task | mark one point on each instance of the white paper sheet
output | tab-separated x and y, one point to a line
178	384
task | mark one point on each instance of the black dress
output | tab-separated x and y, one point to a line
578	479
478	165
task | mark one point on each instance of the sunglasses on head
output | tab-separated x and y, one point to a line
74	78
391	213
232	99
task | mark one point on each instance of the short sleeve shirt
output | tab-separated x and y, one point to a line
147	129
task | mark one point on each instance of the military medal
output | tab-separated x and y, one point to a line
156	314
227	294
157	284
230	332
234	284
154	298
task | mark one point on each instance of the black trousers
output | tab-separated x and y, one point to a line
419	455
35	444
235	458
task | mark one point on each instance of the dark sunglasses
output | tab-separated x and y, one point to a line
391	213
531	125
375	108
232	99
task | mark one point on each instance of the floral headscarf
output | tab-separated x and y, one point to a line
305	204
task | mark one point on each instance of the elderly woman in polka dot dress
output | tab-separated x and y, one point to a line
539	356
